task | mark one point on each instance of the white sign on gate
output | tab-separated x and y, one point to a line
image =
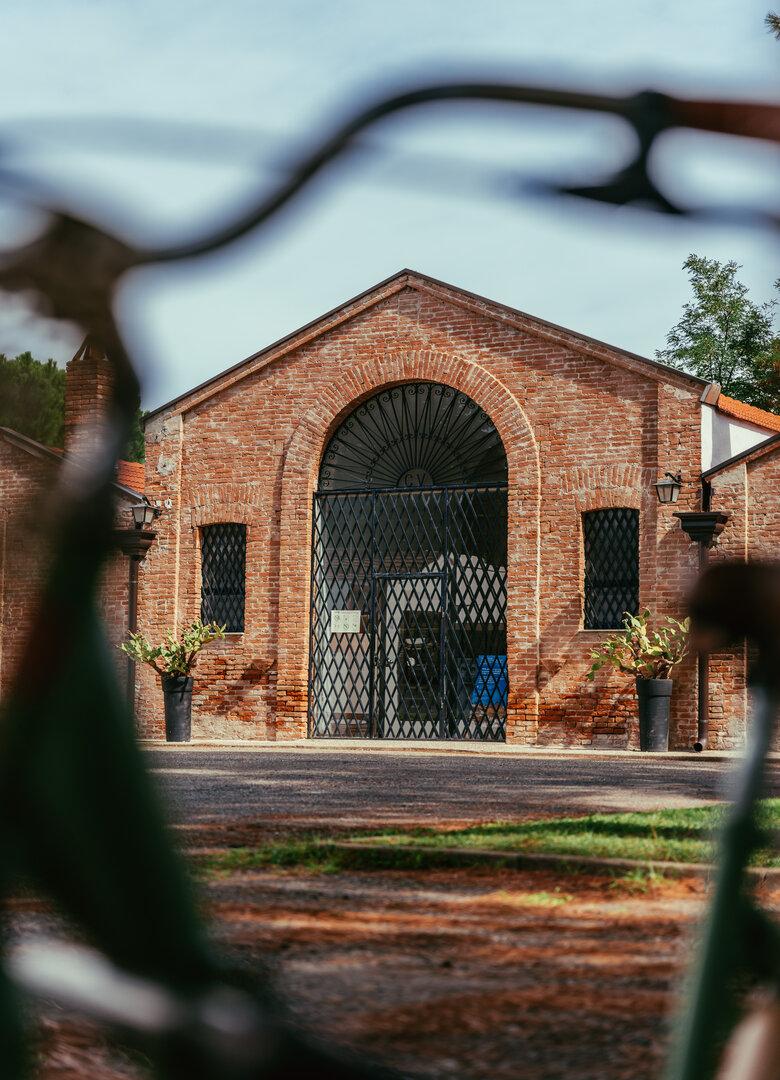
345	622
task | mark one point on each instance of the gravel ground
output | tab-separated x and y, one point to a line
449	974
366	788
463	974
469	975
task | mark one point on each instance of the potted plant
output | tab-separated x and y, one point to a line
173	660
649	656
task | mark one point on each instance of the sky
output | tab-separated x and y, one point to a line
442	189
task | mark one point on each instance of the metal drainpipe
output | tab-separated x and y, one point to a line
703	660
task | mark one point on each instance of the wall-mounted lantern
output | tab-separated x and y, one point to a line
144	514
135	543
668	488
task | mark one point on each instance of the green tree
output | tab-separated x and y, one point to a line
768	378
724	337
32	397
32	401
135	444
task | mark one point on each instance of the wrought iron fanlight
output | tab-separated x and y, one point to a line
417	435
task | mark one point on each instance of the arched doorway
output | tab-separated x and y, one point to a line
408	598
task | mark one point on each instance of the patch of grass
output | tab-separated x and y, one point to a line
637	881
681	836
305	854
321	857
542	898
684	836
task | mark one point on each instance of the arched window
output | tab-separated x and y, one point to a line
417	435
611	541
223	572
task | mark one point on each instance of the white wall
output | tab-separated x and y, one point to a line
722	437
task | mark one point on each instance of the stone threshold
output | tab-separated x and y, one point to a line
439	747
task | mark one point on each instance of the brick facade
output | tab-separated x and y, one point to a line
584	427
24	480
29	473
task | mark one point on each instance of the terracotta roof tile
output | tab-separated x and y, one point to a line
130	474
752	415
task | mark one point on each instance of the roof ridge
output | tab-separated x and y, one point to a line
751	453
32	446
741	410
417	279
28	443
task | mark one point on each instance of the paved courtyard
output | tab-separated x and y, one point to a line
332	787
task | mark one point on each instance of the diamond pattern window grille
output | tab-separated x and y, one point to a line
427	570
223	575
611	540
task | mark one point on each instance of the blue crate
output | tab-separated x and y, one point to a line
492	682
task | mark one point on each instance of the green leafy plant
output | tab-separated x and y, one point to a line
641	880
173	656
725	337
641	652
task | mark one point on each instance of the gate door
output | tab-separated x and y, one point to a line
408	617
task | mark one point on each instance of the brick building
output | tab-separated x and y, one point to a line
28	473
747	486
416	516
419	513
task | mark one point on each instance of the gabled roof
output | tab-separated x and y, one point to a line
751	454
749	413
130	474
451	294
30	446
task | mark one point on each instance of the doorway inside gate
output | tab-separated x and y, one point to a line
408	615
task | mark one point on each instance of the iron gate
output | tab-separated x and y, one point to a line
408	614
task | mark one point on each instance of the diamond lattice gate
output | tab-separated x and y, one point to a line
408	618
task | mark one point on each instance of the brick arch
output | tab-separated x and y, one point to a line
242	503
299	479
608	498
598	487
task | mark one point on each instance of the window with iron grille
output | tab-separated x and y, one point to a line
611	540
223	571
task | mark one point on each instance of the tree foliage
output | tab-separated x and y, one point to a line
724	337
136	450
32	402
32	397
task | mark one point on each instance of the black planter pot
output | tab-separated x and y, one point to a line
654	697
177	695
